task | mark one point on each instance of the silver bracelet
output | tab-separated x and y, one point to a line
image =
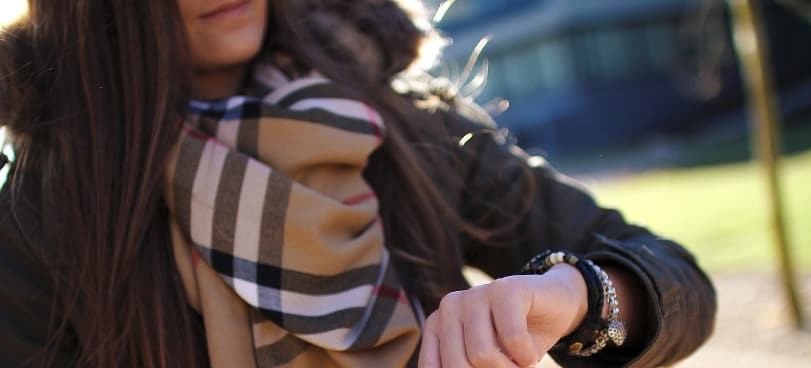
614	331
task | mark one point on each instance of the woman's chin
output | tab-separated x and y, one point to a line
228	52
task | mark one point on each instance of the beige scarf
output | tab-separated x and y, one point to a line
277	235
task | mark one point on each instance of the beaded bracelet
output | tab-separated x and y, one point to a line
600	290
611	330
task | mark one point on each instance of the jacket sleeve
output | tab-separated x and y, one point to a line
26	294
550	211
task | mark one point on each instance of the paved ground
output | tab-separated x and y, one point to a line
753	329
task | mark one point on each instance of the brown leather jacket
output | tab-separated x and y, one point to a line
681	299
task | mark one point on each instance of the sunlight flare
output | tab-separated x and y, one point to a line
10	10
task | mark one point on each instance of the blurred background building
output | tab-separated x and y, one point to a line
585	76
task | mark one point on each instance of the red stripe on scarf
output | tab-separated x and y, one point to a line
195	257
387	292
202	136
351	201
377	125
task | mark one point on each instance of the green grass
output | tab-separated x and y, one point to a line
719	212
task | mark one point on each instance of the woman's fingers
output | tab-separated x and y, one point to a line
481	345
509	313
510	322
451	338
429	349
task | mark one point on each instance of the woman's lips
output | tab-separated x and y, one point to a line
228	10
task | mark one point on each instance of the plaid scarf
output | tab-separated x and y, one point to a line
276	234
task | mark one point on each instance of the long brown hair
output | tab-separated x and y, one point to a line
91	91
90	94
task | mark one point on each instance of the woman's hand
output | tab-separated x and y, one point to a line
510	322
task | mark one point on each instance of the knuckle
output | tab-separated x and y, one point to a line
450	301
521	348
484	358
545	343
432	321
500	284
515	341
503	291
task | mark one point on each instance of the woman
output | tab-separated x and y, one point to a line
139	229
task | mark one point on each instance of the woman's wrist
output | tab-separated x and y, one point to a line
577	291
599	323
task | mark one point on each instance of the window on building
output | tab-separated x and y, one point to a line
613	57
603	54
556	68
522	70
660	42
464	11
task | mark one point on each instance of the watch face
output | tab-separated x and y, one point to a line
617	332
